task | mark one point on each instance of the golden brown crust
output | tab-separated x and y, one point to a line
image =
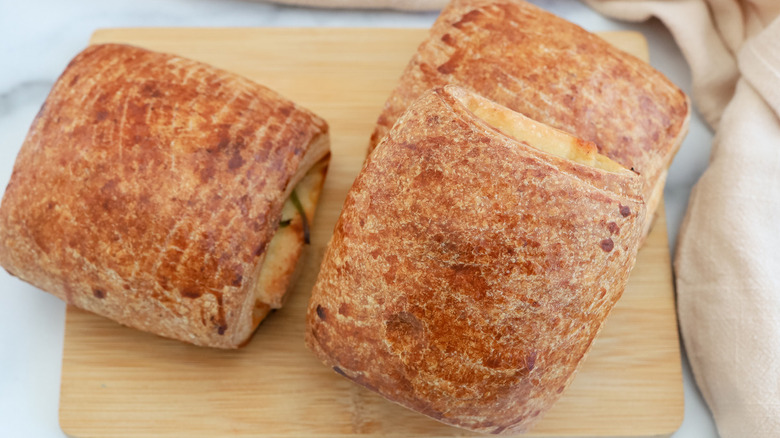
469	273
148	188
555	72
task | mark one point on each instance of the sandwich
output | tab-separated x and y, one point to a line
165	194
475	260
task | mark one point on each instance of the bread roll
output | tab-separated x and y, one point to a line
477	257
554	72
150	190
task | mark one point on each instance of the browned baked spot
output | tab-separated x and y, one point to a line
321	313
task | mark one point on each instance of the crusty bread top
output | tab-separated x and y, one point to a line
552	71
533	133
148	188
469	272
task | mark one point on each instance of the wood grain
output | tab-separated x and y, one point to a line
118	382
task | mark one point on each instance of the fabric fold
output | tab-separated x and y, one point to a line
699	41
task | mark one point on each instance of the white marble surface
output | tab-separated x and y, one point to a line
39	37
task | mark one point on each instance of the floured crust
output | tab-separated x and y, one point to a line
149	187
469	272
555	72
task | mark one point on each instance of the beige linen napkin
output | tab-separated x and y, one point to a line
727	264
410	5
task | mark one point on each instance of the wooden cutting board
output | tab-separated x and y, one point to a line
118	382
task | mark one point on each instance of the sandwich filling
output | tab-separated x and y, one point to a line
283	253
